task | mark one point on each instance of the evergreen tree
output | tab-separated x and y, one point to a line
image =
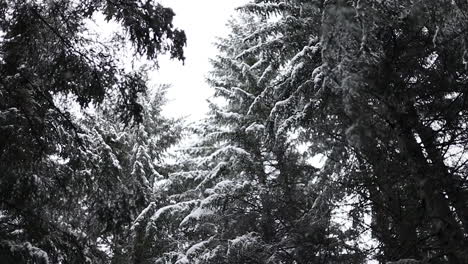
58	177
134	164
239	197
378	88
383	97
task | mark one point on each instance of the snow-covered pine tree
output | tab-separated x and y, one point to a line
124	180
46	52
104	181
240	198
384	100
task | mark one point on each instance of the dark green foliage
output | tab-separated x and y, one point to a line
380	90
376	88
240	197
61	191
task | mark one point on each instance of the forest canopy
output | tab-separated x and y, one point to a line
69	186
338	134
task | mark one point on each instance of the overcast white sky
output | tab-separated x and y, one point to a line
203	21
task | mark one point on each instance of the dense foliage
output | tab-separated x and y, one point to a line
240	198
66	191
379	89
337	134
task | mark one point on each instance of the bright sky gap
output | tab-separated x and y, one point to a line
203	21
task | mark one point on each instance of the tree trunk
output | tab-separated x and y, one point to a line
444	223
456	196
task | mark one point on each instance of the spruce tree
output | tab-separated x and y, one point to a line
57	175
240	197
383	100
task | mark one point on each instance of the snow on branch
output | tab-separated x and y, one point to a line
226	151
255	128
172	209
215	173
267	9
229	115
143	215
238	90
196	214
271	44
